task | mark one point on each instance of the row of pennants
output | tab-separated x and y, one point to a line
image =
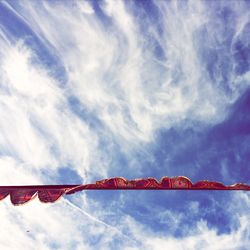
50	193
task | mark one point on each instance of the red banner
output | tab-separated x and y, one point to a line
50	193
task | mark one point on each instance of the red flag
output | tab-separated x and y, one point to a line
51	193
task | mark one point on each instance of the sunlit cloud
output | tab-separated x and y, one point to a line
95	89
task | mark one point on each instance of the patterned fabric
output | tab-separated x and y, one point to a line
166	183
50	195
22	194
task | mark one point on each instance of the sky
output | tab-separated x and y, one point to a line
98	89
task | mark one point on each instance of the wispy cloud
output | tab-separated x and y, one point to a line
113	69
92	89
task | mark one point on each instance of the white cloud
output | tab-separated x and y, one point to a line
112	69
85	7
114	72
198	237
14	172
37	126
52	226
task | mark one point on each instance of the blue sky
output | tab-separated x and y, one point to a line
98	89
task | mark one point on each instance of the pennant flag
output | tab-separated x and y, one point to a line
51	193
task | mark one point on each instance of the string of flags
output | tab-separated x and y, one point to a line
50	193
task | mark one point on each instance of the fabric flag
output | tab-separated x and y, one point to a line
51	193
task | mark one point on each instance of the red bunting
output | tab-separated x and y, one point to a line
51	193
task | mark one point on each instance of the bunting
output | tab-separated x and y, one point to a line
50	193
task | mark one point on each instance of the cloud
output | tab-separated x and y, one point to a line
200	236
57	226
89	87
115	73
37	126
